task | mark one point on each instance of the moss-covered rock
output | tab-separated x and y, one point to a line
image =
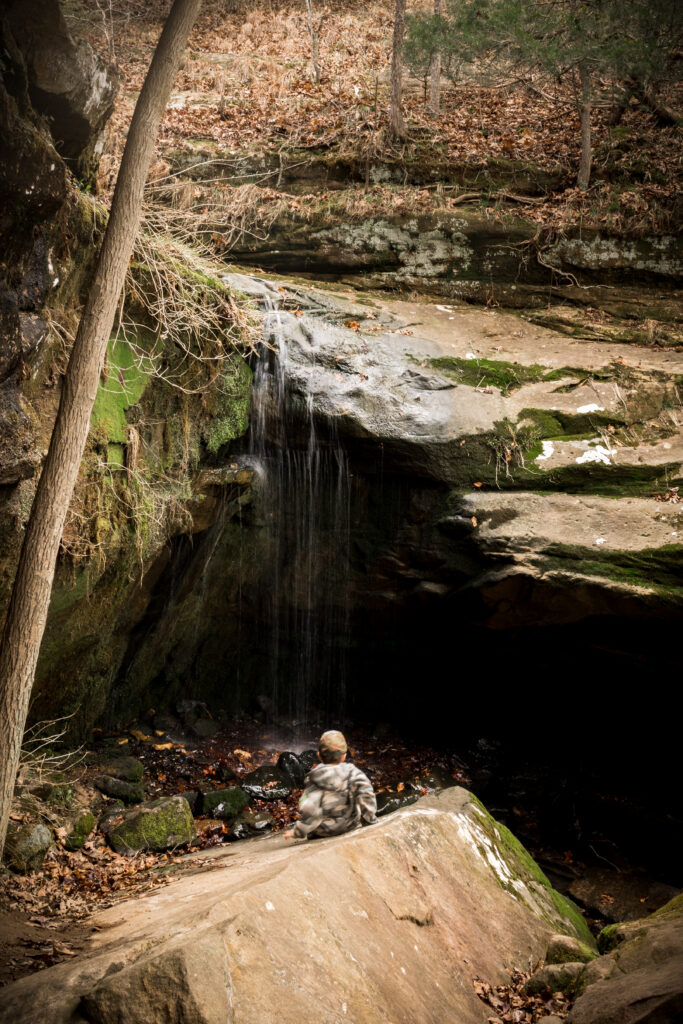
25	847
531	885
563	949
129	769
82	828
158	825
225	804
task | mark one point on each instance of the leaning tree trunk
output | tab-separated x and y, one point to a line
584	175
30	598
398	128
435	72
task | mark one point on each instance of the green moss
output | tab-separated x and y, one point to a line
81	830
126	376
515	852
491	373
649	567
225	803
608	938
158	825
674	908
231	419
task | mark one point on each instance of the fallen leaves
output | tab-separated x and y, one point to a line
512	1005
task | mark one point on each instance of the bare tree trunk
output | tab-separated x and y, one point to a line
584	175
313	31
435	72
30	598
398	128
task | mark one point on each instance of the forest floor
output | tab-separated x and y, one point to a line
247	86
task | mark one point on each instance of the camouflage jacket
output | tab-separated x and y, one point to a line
336	798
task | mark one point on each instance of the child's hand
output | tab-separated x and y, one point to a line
289	834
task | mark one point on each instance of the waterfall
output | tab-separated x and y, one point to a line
302	502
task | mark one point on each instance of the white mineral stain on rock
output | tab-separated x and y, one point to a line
269	905
548	450
470	355
599	540
591	407
597	454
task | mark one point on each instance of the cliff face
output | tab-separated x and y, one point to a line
169	400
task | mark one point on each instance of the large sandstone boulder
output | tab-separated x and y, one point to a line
389	923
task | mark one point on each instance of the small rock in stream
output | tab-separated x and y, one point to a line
266	783
389	802
250	823
291	767
308	759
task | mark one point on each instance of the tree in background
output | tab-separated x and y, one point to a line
578	40
27	612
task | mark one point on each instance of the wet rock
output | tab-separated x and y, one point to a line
161	824
266	783
225	804
389	802
129	792
555	978
25	847
292	768
434	779
226	774
564	949
82	828
308	758
250	823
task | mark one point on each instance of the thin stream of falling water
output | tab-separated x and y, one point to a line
303	503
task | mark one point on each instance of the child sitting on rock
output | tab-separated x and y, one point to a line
338	796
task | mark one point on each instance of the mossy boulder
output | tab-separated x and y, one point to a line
225	804
161	824
25	847
129	792
82	828
563	949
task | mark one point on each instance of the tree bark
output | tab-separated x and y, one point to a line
585	118
435	72
398	128
30	597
